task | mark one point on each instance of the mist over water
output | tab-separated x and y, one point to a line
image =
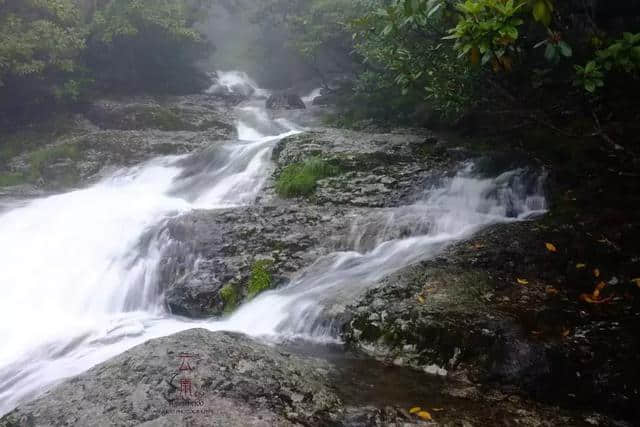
79	281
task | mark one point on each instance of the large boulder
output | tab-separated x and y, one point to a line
285	101
227	243
226	380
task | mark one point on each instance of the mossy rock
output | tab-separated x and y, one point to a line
12	179
261	278
230	297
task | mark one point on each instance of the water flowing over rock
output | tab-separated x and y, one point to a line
223	244
285	101
234	86
374	255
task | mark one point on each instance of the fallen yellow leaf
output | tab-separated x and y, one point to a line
580	266
636	281
596	272
551	247
523	281
420	299
424	415
415	409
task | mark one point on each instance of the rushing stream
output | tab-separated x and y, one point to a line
77	288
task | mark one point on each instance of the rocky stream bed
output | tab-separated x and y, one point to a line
495	330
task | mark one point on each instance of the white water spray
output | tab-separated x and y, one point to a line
79	281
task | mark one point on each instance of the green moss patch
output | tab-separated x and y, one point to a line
301	179
260	279
41	158
10	179
164	119
230	297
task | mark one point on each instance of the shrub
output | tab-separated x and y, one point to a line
300	179
623	55
260	279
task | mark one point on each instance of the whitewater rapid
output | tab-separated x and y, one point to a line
79	286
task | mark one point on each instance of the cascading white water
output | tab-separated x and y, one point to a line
78	286
308	100
458	208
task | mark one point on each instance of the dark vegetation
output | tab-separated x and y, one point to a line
57	53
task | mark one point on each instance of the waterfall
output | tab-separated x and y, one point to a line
79	281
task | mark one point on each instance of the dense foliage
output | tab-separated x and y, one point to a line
144	46
40	49
449	57
54	51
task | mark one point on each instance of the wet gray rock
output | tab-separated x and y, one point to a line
464	315
213	248
434	319
233	381
285	101
184	113
201	378
378	169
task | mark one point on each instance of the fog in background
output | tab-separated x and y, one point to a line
262	52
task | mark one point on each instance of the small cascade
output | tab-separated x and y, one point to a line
399	237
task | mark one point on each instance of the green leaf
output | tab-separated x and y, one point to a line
550	52
565	49
487	57
434	10
542	12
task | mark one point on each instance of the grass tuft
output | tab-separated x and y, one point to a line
301	179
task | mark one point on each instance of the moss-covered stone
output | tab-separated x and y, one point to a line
30	138
230	298
261	278
164	119
10	179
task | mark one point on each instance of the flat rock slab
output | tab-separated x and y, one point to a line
377	169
